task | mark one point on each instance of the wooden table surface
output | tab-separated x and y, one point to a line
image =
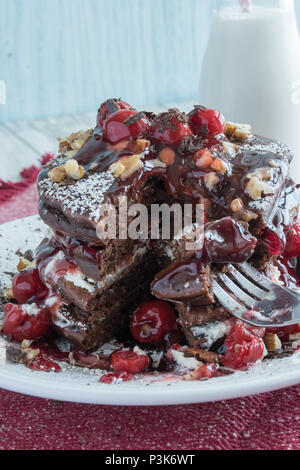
23	142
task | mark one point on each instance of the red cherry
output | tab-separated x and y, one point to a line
242	348
152	321
110	107
207	121
207	371
116	378
117	128
274	244
129	361
170	128
44	364
25	322
293	242
285	332
28	287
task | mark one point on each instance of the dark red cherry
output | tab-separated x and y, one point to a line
243	348
25	322
28	287
293	242
170	128
207	121
125	124
152	321
129	361
274	244
110	107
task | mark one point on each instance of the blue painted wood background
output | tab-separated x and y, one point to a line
65	56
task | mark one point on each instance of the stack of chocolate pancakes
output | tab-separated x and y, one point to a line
97	282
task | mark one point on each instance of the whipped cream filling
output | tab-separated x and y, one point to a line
31	309
211	332
79	280
189	363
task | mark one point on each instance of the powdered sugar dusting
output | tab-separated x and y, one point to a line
83	197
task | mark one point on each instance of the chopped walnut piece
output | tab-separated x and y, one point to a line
58	174
236	205
272	342
138	146
126	166
73	170
74	142
238	131
211	180
245	215
219	165
15	353
229	147
8	293
25	264
256	188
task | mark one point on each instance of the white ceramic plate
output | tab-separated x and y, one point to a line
82	385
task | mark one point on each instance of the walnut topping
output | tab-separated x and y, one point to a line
238	131
256	188
25	264
138	146
245	215
219	165
272	342
211	180
58	174
74	142
73	170
17	353
8	293
126	166
236	205
229	147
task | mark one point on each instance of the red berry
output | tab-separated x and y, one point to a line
170	128
242	348
129	361
293	242
207	121
285	332
110	107
44	364
25	322
117	127
28	287
152	321
274	244
207	371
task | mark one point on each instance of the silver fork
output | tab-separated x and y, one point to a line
252	297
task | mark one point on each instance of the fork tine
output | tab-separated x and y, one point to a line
246	284
235	289
255	275
227	301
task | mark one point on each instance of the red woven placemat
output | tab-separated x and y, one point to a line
266	422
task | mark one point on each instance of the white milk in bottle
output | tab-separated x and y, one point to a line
251	71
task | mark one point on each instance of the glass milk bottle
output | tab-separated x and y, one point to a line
251	71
